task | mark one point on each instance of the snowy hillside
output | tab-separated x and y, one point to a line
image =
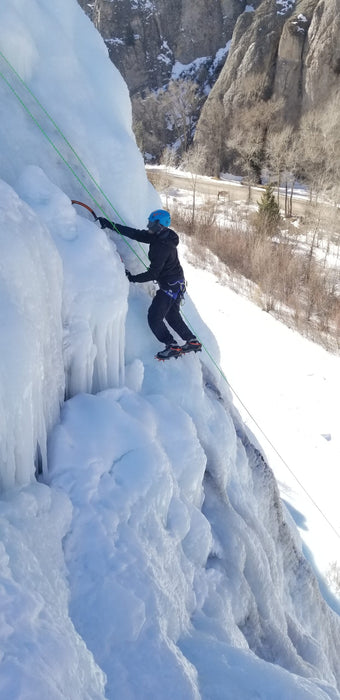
145	552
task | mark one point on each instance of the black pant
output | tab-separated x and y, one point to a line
164	307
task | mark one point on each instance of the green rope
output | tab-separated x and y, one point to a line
71	148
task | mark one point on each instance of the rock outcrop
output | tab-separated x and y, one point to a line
291	50
285	53
151	40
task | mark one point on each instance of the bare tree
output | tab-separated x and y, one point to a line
312	154
149	123
247	137
210	130
181	104
291	176
333	577
166	117
282	162
193	161
168	160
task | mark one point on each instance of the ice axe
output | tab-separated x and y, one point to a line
81	204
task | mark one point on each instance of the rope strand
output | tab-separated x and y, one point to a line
68	144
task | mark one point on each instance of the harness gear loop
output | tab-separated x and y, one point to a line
175	293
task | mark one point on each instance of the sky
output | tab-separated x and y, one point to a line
144	545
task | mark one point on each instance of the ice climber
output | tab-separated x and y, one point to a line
166	270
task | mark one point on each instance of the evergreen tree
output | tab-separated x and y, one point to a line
268	210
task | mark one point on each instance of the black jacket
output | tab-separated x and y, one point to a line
164	267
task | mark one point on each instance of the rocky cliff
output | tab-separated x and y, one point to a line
151	40
287	52
281	53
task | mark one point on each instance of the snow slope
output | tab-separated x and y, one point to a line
153	557
289	388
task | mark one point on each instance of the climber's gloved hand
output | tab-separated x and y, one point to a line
104	223
129	276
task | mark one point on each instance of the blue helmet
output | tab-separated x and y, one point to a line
160	215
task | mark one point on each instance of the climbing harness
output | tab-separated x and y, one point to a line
177	292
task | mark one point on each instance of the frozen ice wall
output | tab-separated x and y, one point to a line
63	303
94	288
65	122
55	49
31	370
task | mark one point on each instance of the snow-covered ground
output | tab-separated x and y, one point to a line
287	389
145	552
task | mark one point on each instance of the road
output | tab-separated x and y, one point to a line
223	189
